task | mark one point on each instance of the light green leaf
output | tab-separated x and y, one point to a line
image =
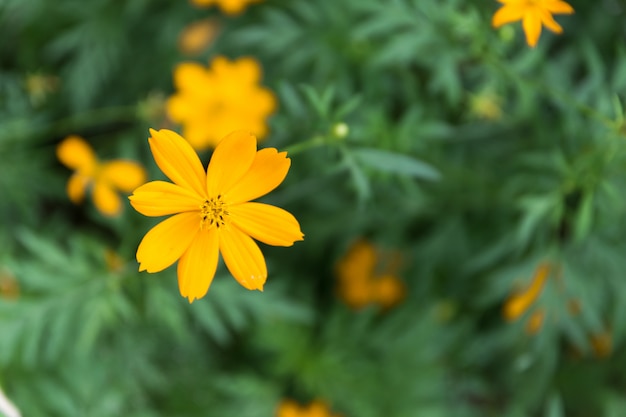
395	163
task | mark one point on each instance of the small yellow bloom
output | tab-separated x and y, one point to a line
231	7
197	36
518	303
359	282
103	178
487	106
289	408
212	102
535	322
9	287
533	14
40	86
113	261
602	344
212	212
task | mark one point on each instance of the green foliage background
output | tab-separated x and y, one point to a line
475	203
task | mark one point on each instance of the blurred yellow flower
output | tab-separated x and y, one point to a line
533	14
602	344
212	102
40	86
359	284
113	260
228	6
197	36
104	178
289	408
212	212
519	302
9	287
486	105
534	323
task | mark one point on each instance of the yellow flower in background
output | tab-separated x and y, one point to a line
518	303
9	287
359	282
212	102
197	36
602	344
289	408
228	6
535	322
533	14
486	105
212	212
40	86
104	179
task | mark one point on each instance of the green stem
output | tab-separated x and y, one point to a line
296	148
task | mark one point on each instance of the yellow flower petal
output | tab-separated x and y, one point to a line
232	157
358	264
177	159
75	153
106	199
549	22
243	258
507	14
201	134
76	187
517	304
267	171
160	198
532	28
124	175
246	70
197	266
388	290
558	7
188	75
167	241
268	224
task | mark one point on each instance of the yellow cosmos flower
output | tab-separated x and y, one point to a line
212	212
289	408
518	303
231	7
361	282
212	102
197	36
533	14
105	179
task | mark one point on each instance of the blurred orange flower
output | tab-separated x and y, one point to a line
212	212
197	36
212	102
533	14
602	344
289	408
228	6
519	302
104	178
361	284
9	287
535	321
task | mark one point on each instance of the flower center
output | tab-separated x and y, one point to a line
213	212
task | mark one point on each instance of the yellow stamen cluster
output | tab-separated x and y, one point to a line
213	212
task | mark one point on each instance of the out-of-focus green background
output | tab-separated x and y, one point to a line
476	158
